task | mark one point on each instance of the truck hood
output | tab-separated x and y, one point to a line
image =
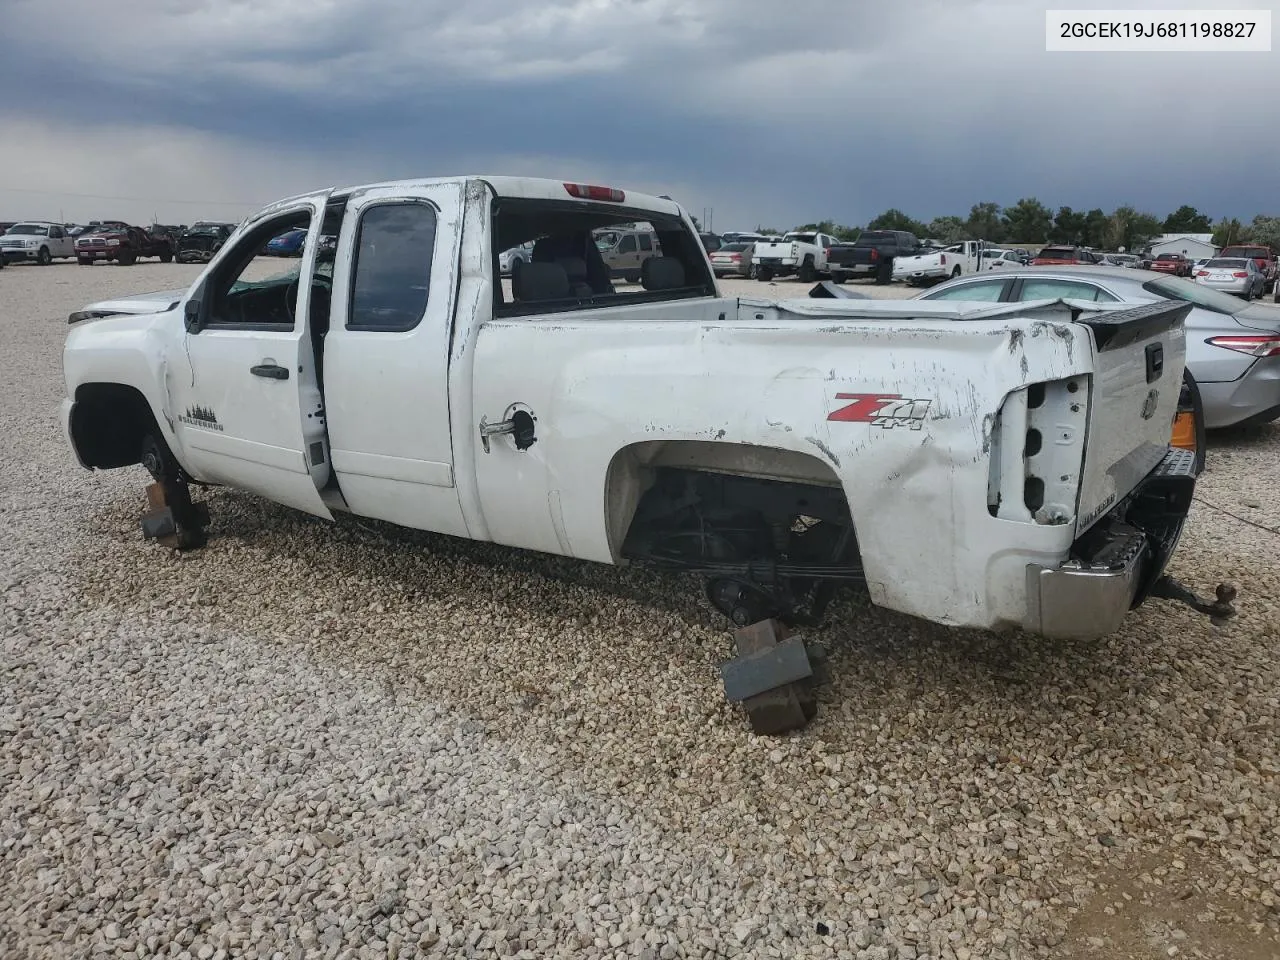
140	303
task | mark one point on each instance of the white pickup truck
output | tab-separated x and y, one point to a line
945	264
981	465
37	241
800	253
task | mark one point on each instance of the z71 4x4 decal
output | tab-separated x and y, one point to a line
887	410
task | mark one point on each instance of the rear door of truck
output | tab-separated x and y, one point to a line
386	355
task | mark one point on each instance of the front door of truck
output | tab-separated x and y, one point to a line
243	390
386	357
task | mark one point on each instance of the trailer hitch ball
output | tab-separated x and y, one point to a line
1219	610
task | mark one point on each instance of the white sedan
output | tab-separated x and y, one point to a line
1000	259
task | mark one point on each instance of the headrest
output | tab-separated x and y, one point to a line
540	281
548	249
574	267
662	273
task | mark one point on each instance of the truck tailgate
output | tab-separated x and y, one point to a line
1139	355
772	250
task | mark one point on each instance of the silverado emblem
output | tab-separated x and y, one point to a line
887	410
1150	404
199	416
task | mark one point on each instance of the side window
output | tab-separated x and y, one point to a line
628	244
392	270
982	290
646	242
245	291
55	233
1063	290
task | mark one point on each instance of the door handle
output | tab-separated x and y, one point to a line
270	370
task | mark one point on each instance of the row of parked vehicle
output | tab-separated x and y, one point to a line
1245	270
41	242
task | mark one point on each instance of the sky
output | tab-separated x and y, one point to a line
759	112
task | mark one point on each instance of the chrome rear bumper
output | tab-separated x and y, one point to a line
1113	567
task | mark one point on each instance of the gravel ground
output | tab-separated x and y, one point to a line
347	740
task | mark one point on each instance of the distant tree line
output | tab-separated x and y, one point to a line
1030	222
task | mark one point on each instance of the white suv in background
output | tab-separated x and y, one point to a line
38	241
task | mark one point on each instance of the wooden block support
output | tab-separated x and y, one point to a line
779	710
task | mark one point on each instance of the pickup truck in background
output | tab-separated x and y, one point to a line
1174	264
948	263
1260	254
799	253
122	243
778	450
200	241
1063	256
872	254
37	241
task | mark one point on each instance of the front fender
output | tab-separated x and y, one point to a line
131	351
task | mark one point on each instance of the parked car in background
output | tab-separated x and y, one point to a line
1233	348
1174	263
872	254
167	233
959	259
1064	255
200	241
1236	275
37	241
1001	259
1121	260
802	253
626	249
122	243
734	259
291	243
1260	254
511	260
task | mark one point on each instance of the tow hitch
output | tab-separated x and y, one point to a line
1218	611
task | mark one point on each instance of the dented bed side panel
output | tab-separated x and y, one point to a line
901	413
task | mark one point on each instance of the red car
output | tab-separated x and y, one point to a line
1174	263
1064	256
1260	254
122	243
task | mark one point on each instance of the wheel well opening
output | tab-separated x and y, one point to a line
635	469
770	529
108	424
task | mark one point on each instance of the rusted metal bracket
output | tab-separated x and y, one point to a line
172	520
774	676
1218	611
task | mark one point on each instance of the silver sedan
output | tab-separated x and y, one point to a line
1233	348
1240	276
733	259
